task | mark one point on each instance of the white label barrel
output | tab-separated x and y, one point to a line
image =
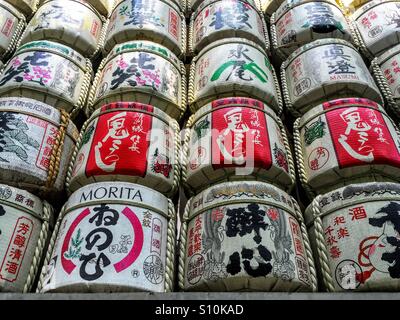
215	20
299	22
113	237
36	145
377	25
160	21
11	25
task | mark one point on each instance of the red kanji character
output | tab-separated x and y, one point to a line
396	70
19	198
19	241
15	254
53	132
329	230
191	234
335	252
12	267
23	228
339	220
217	214
331	240
358	213
343	233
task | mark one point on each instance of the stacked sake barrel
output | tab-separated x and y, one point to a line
117	231
43	86
241	230
346	145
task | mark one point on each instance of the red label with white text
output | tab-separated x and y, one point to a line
240	135
361	136
120	144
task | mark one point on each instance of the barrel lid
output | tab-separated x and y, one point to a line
338	103
12	10
369	5
222	42
206	3
352	195
315	44
123	193
290	4
388	54
133	107
87	4
233	102
39	109
56	48
21	200
143	45
240	192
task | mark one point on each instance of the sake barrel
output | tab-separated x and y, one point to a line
144	72
346	141
147	152
27	7
73	23
233	67
299	22
11	25
245	236
324	70
49	72
24	230
386	70
36	146
104	7
112	237
236	139
214	20
377	24
160	21
354	231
